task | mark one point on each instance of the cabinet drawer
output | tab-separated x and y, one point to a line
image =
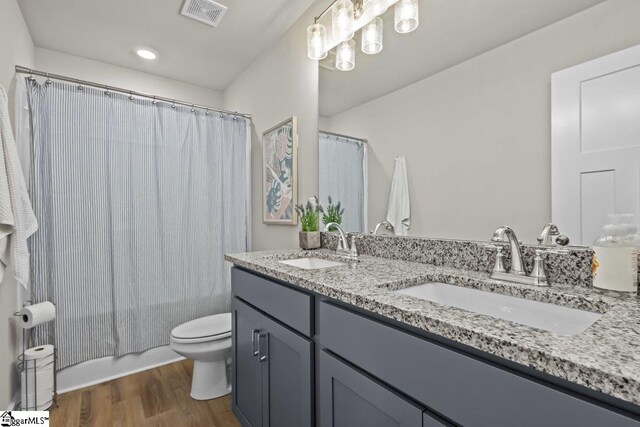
291	307
462	388
349	397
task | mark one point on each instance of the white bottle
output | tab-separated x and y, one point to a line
615	263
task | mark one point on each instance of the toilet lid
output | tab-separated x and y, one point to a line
208	326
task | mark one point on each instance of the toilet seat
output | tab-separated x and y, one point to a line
208	328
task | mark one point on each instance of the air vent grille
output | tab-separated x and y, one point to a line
206	11
329	63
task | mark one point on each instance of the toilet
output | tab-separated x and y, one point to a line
207	341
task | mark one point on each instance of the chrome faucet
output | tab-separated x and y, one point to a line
517	274
551	236
386	224
343	248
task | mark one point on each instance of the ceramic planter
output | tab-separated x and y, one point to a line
309	239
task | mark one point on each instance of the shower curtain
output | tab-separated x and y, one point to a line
138	201
342	167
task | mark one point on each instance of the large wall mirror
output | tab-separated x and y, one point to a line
474	100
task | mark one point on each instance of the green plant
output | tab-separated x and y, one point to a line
309	215
333	213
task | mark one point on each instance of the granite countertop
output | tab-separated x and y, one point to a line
605	357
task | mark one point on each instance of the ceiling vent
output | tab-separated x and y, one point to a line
206	11
329	63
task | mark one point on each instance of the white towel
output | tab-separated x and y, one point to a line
399	208
17	220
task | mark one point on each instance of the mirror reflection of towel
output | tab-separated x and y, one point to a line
399	208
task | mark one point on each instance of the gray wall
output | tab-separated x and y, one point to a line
16	47
468	129
281	83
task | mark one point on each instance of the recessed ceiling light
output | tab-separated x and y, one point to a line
146	53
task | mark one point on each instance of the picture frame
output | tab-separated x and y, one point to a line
280	173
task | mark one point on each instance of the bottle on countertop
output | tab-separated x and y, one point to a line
615	261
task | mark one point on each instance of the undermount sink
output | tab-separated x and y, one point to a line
311	263
565	321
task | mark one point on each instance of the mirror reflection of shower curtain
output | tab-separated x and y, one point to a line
342	166
138	203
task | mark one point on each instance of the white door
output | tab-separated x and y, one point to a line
595	156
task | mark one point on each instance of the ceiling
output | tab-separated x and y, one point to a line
190	51
450	32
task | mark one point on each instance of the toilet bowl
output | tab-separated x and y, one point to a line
207	341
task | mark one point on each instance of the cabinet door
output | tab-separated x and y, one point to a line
350	398
246	367
287	360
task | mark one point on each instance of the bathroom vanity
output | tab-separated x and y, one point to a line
340	346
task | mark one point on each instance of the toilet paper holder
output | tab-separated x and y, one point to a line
23	366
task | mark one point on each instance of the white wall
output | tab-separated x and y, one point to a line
16	48
281	83
477	136
101	72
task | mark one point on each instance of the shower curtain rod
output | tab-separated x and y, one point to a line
25	70
339	135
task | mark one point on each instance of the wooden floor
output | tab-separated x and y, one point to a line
157	397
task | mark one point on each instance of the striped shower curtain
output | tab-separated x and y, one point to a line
137	203
342	165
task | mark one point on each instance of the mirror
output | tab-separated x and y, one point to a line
466	99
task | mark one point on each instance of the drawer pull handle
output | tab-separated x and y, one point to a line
253	341
263	354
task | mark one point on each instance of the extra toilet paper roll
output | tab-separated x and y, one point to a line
37	314
38	378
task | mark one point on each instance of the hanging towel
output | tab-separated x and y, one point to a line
17	220
399	208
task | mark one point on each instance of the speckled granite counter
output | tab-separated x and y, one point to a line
606	357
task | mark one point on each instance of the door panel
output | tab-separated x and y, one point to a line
246	376
596	143
287	382
349	398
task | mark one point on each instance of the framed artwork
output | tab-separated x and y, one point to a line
280	173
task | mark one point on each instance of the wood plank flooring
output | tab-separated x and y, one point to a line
157	397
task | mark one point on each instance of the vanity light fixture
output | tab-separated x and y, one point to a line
146	53
317	41
376	7
348	16
406	16
342	16
372	36
346	55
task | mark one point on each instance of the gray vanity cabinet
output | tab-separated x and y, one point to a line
272	368
348	397
247	369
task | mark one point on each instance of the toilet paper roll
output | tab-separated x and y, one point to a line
36	314
38	356
38	377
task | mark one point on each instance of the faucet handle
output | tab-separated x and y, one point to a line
353	251
499	265
538	271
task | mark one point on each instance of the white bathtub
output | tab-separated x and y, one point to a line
97	371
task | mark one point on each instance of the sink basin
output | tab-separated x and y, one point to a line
565	321
311	263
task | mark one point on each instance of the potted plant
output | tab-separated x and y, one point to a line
309	214
333	213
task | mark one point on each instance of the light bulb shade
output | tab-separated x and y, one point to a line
372	36
376	7
317	42
406	16
342	20
346	55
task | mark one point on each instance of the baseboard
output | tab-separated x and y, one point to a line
106	369
15	401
